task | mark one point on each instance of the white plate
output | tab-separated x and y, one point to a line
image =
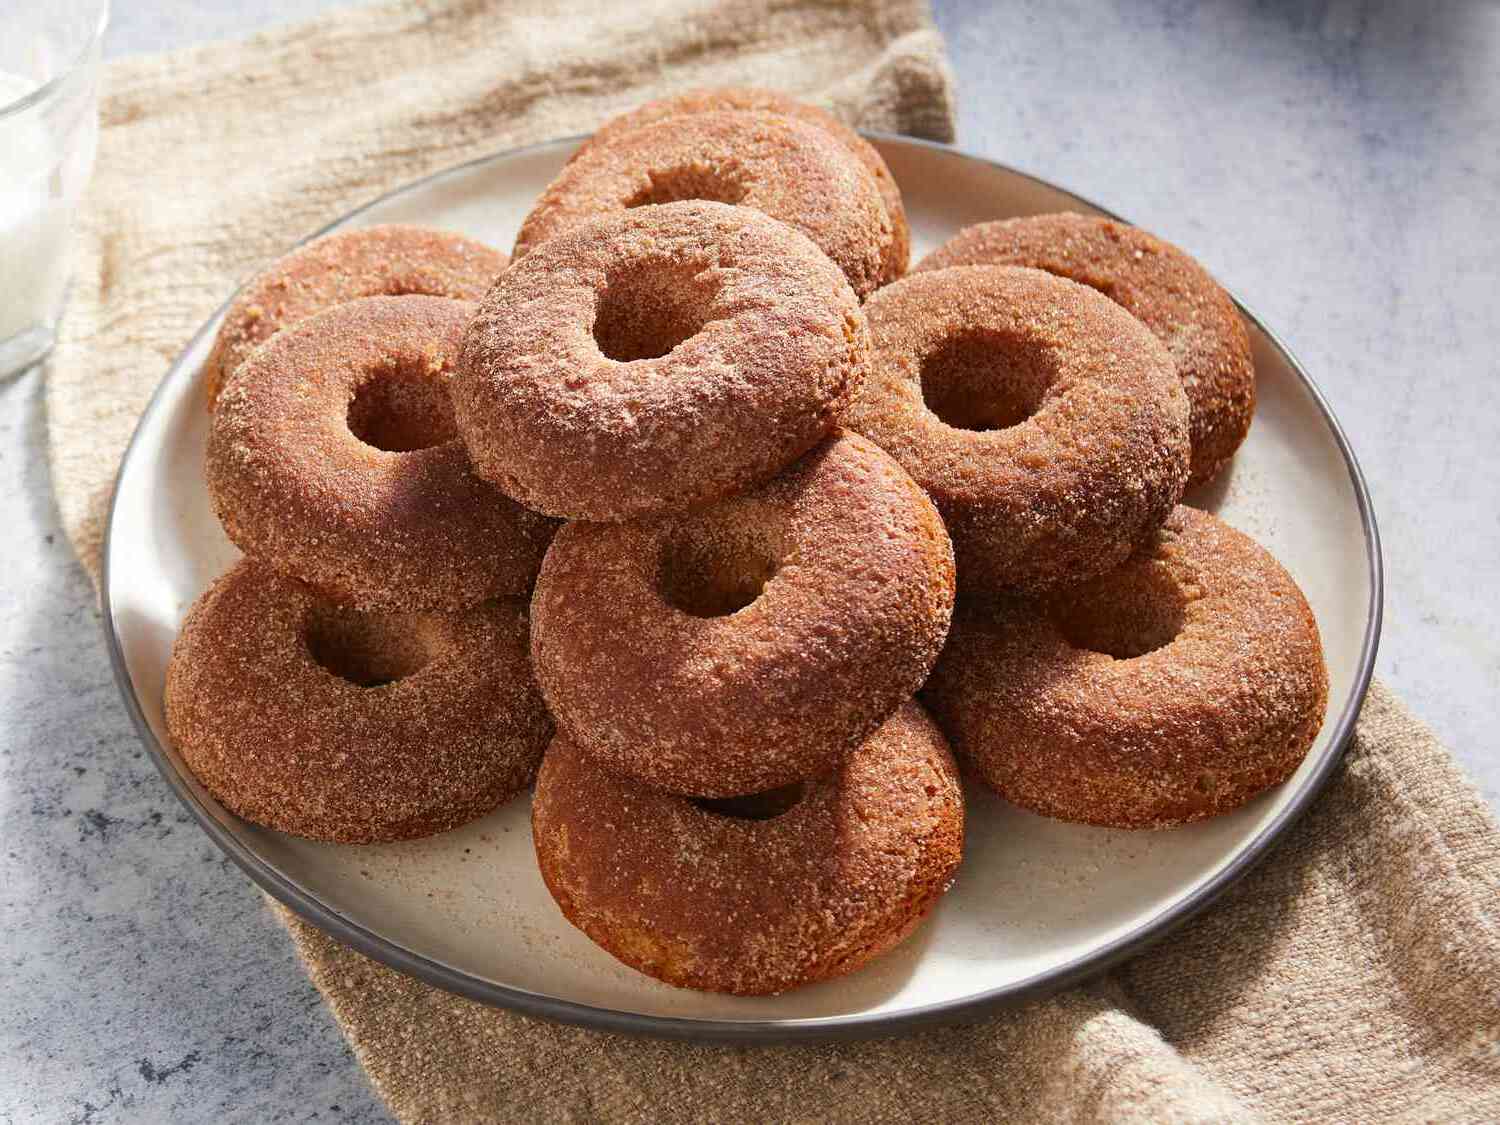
1037	903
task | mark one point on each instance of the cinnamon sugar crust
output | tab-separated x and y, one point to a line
333	458
788	169
1046	422
752	644
1173	689
709	901
1168	291
657	359
347	727
740	99
381	261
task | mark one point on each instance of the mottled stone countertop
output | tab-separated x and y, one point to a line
1335	163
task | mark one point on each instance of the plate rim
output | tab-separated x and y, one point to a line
330	921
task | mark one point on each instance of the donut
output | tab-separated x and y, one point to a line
1046	422
743	99
1164	288
349	727
754	643
788	169
1175	688
383	261
762	899
656	359
333	458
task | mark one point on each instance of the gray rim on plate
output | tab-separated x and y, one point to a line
370	943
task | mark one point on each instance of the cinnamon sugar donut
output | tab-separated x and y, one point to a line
348	727
1047	423
1169	292
1175	688
382	261
743	99
657	358
700	897
333	458
751	644
783	167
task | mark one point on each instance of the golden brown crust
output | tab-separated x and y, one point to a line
373	528
769	347
380	261
282	741
780	166
1091	449
1226	707
846	626
725	904
1168	291
750	99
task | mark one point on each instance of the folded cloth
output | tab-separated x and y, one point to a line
1355	975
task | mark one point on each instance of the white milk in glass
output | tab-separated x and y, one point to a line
49	129
44	162
33	217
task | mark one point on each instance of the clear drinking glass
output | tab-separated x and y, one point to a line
49	128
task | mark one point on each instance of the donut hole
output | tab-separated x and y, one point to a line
369	649
677	185
402	410
981	380
1129	617
649	307
709	571
767	805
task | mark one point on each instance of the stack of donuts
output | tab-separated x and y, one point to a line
678	514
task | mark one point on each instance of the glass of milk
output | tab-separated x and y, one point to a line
49	126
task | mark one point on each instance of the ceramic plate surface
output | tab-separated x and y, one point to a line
1037	903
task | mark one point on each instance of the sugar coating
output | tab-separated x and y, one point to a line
750	99
774	348
707	901
657	357
1225	708
1069	491
846	627
370	528
282	741
1168	291
381	261
788	169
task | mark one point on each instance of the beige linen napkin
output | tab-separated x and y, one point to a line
1354	976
